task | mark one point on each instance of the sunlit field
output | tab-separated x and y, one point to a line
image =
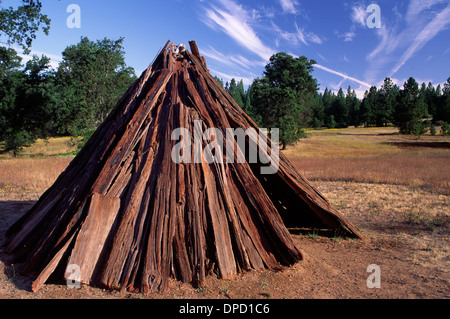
374	155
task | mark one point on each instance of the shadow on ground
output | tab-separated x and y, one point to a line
10	212
412	144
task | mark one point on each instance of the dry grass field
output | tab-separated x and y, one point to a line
396	189
34	170
375	155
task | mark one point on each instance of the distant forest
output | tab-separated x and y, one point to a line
413	108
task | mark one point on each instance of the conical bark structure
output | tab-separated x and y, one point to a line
126	215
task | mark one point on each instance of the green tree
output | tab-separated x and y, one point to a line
90	80
340	110
386	102
24	110
331	122
443	103
10	79
318	110
430	97
353	106
20	25
411	108
219	80
282	98
248	107
237	92
328	101
368	106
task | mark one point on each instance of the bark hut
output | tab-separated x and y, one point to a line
130	217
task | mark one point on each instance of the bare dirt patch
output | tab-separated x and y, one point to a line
411	249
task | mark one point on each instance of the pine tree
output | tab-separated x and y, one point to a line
340	110
386	103
235	91
411	107
368	107
318	109
353	106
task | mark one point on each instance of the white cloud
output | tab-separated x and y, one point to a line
306	37
359	14
314	38
291	37
235	22
230	60
55	60
439	23
405	35
227	77
349	36
417	7
386	39
289	6
343	75
301	35
358	17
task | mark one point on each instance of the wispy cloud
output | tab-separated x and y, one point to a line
417	7
406	34
300	34
439	23
322	57
230	60
289	6
348	36
306	37
388	42
343	75
314	38
290	37
359	15
227	77
55	60
234	20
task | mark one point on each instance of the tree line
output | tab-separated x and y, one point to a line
38	102
288	97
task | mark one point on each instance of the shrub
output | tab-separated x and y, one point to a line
445	129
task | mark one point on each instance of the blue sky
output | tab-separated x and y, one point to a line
237	37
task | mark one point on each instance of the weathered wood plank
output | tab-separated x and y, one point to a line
90	241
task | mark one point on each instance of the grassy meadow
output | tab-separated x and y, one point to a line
374	155
35	169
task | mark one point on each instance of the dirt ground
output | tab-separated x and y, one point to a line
407	234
